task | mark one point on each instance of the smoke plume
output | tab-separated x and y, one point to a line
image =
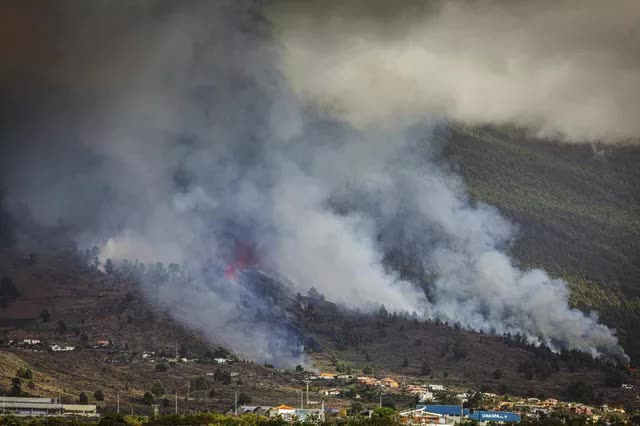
166	131
567	70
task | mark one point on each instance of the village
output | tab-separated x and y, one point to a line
324	395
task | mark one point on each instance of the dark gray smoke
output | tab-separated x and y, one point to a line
564	69
162	131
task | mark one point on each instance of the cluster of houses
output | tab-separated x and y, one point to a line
37	344
504	411
387	382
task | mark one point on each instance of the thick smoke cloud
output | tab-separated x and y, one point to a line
568	70
163	131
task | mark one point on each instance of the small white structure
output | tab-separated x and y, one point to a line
58	348
425	396
286	412
220	360
31	342
436	387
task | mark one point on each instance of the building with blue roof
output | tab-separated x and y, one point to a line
495	416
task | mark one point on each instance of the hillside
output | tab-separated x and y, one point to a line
577	210
577	215
102	306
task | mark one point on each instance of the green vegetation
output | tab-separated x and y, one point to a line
578	214
24	373
157	389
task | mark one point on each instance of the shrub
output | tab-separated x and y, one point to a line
383	412
243	399
112	419
157	389
16	387
24	373
98	395
200	383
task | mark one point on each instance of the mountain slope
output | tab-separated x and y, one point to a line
577	209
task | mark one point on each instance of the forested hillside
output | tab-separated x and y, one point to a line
577	208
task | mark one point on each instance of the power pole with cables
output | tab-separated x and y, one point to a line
307	382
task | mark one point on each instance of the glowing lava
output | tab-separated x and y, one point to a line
244	257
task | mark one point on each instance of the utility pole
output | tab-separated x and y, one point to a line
301	399
235	403
176	402
307	382
380	405
118	402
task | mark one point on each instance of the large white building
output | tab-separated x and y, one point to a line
32	407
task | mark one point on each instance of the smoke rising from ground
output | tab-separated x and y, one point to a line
567	70
164	132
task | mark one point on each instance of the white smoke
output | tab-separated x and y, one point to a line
197	143
567	69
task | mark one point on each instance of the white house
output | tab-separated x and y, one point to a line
58	348
287	413
425	396
436	387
